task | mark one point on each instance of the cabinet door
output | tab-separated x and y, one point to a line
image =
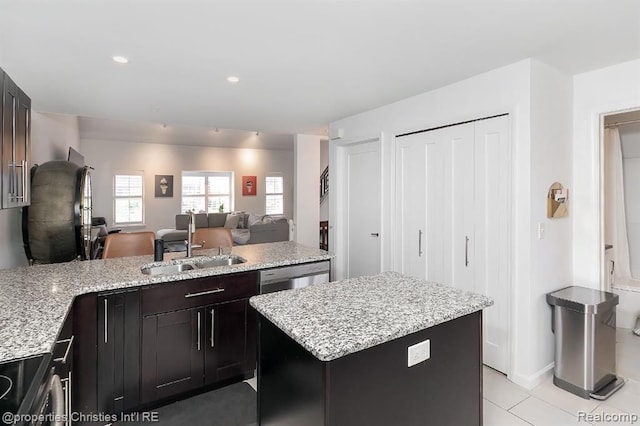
22	150
9	127
118	352
172	353
16	114
226	351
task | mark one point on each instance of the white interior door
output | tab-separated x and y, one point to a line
363	209
491	246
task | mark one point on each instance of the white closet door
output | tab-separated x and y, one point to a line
491	245
438	206
460	139
453	201
410	199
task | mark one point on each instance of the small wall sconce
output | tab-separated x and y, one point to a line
557	201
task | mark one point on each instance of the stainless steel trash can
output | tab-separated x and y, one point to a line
584	324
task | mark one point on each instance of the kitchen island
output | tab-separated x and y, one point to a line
379	350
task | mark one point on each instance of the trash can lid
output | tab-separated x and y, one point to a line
583	299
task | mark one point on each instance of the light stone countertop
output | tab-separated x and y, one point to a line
35	300
339	318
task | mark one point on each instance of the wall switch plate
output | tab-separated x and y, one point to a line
541	230
418	353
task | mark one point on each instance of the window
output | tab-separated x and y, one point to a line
206	192
275	195
128	198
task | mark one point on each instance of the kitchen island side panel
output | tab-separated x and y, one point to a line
290	380
374	386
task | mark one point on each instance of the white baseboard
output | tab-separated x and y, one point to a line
533	380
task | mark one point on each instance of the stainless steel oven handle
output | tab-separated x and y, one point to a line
57	400
8	379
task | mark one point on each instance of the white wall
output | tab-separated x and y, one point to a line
534	136
603	91
108	157
551	161
51	137
306	213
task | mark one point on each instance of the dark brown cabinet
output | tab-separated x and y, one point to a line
63	359
171	353
135	348
230	347
118	351
15	111
196	332
107	352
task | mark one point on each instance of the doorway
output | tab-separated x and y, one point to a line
359	236
621	202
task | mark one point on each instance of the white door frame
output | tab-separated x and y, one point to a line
338	218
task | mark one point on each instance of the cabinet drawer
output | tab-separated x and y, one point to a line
196	292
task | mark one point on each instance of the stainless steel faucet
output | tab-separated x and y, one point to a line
190	230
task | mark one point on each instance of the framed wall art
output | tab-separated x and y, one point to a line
163	186
249	185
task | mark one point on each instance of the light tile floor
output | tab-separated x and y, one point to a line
507	404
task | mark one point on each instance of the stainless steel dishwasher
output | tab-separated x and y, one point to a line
294	276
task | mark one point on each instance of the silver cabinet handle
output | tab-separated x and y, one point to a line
466	251
203	293
198	330
13	184
419	242
23	194
106	307
25	184
66	353
213	327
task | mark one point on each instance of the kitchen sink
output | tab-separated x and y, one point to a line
223	261
167	269
201	263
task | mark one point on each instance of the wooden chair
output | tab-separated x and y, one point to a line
212	237
128	244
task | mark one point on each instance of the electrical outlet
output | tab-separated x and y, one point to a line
418	353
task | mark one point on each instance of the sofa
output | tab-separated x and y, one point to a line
246	228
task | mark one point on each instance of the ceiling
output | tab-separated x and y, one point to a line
301	64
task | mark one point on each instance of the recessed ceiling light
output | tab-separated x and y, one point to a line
120	59
233	79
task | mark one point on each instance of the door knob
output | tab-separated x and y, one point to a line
375	234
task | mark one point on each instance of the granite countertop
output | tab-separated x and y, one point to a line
35	300
339	318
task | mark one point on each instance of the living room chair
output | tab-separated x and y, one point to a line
212	237
128	244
